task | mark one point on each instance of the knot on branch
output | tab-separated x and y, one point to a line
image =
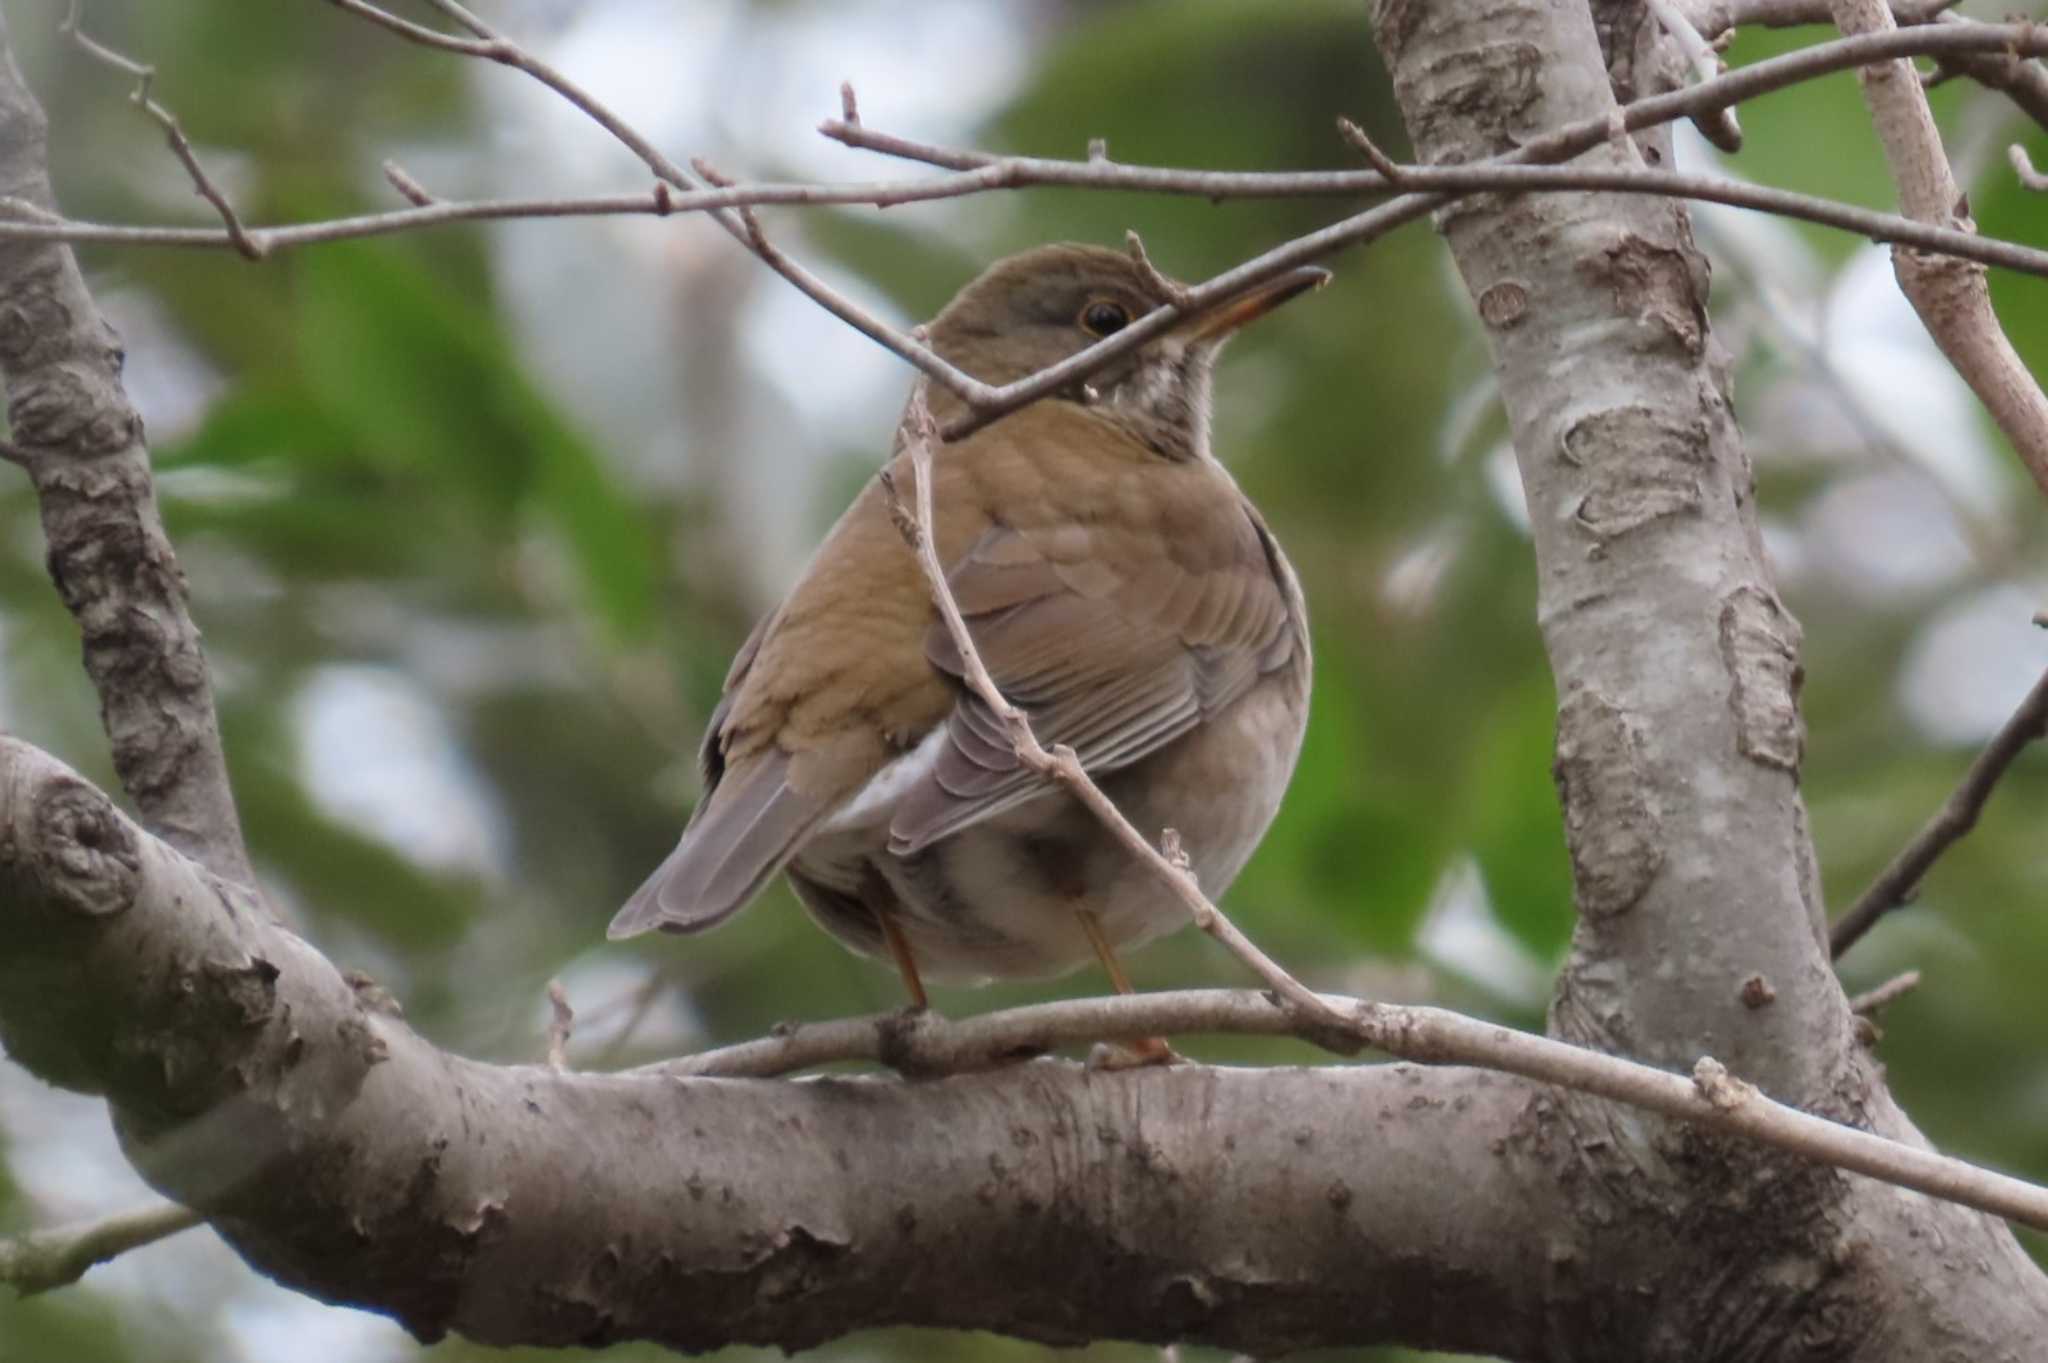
83	850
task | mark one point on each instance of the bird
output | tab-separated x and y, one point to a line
1120	589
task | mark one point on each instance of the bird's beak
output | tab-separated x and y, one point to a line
1255	303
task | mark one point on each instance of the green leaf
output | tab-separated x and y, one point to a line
430	392
1517	830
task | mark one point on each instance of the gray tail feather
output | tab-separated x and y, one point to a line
742	834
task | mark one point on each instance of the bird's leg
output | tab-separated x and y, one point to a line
1147	1050
876	897
906	963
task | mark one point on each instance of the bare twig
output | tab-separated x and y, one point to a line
2023	166
1712	1098
1718	126
1896	884
44	1259
420	33
561	1025
493	46
174	134
988	402
1714	18
1952	298
1873	1001
1168	288
920	434
2022	80
1383	164
33	225
414	192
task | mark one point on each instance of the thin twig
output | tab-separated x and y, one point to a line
1718	126
493	46
1019	173
418	33
920	434
2023	81
414	192
174	134
989	402
1160	283
45	1259
1383	164
2023	166
1449	180
1874	1001
1953	299
1898	882
925	1044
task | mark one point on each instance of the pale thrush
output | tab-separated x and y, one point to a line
1121	590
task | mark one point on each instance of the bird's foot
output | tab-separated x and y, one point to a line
1133	1055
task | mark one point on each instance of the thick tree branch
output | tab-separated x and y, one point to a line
1952	296
1679	736
1896	885
345	1156
341	1153
82	444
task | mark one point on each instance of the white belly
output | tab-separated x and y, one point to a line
999	898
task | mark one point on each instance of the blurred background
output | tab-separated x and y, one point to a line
475	519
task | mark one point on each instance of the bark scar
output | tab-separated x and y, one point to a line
1760	648
1612	825
1640	466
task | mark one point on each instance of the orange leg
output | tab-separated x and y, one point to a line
906	963
1092	925
1148	1050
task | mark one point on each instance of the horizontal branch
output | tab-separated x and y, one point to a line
1010	173
92	865
988	402
345	1156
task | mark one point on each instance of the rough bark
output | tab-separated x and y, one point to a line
1678	750
1263	1211
81	441
343	1155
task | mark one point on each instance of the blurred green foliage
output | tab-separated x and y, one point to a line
380	477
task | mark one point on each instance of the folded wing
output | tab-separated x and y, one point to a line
1114	650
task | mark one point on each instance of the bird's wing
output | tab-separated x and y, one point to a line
815	704
740	835
730	849
1114	640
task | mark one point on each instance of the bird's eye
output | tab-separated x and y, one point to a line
1101	317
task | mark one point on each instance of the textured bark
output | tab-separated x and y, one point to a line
1258	1210
1678	752
81	441
1263	1210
